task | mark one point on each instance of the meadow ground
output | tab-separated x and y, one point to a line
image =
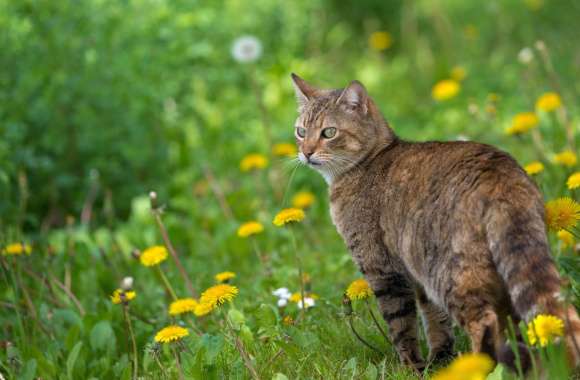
104	102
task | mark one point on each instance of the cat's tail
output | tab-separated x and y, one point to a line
519	246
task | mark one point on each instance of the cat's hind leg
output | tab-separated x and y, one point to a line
438	329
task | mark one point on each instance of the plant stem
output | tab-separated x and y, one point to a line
241	349
360	338
300	274
178	363
166	282
133	342
383	333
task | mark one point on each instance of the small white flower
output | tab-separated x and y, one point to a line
282	293
526	55
246	49
127	283
309	302
282	302
461	138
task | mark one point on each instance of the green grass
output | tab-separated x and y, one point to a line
187	106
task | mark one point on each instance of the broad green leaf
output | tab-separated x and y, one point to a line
72	359
102	335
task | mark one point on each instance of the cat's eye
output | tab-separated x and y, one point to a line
301	132
329	133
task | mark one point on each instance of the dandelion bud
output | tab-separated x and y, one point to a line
127	283
153	199
347	305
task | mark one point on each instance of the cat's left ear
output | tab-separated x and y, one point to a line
354	97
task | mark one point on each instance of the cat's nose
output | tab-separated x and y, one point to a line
308	153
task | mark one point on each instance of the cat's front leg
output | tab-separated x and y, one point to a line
396	299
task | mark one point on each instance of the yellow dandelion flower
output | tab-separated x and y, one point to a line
445	89
303	199
358	290
224	276
534	168
16	249
182	306
287	320
566	238
544	328
284	150
549	102
458	73
380	40
171	334
253	161
522	123
288	215
566	158
573	181
562	213
119	295
296	297
472	366
219	294
250	228
203	309
153	256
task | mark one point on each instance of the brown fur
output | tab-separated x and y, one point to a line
459	226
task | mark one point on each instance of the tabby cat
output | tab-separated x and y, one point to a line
455	228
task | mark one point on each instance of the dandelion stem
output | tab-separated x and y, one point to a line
360	338
69	294
157	216
383	333
178	363
300	274
166	283
217	191
133	342
241	349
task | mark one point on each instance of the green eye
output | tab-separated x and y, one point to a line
329	133
301	132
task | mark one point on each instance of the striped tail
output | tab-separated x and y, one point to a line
520	251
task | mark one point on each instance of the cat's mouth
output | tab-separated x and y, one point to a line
313	162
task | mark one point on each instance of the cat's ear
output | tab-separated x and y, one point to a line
304	91
354	97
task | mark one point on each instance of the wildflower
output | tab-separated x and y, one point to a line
566	238
284	150
445	89
119	295
296	297
303	199
562	213
127	283
549	102
282	302
526	55
170	334
358	290
282	293
458	73
287	320
250	228
308	302
246	49
380	40
544	328
182	306
566	158
473	366
288	215
253	161
573	181
534	168
153	255
16	249
522	123
224	276
214	297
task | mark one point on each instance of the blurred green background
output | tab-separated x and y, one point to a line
109	99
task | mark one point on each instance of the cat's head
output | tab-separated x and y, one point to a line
337	128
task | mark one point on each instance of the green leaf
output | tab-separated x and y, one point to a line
371	372
101	335
29	370
237	318
72	359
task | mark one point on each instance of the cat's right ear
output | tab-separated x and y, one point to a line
304	91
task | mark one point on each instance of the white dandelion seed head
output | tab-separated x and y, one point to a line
246	49
127	283
308	302
526	55
282	293
282	302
